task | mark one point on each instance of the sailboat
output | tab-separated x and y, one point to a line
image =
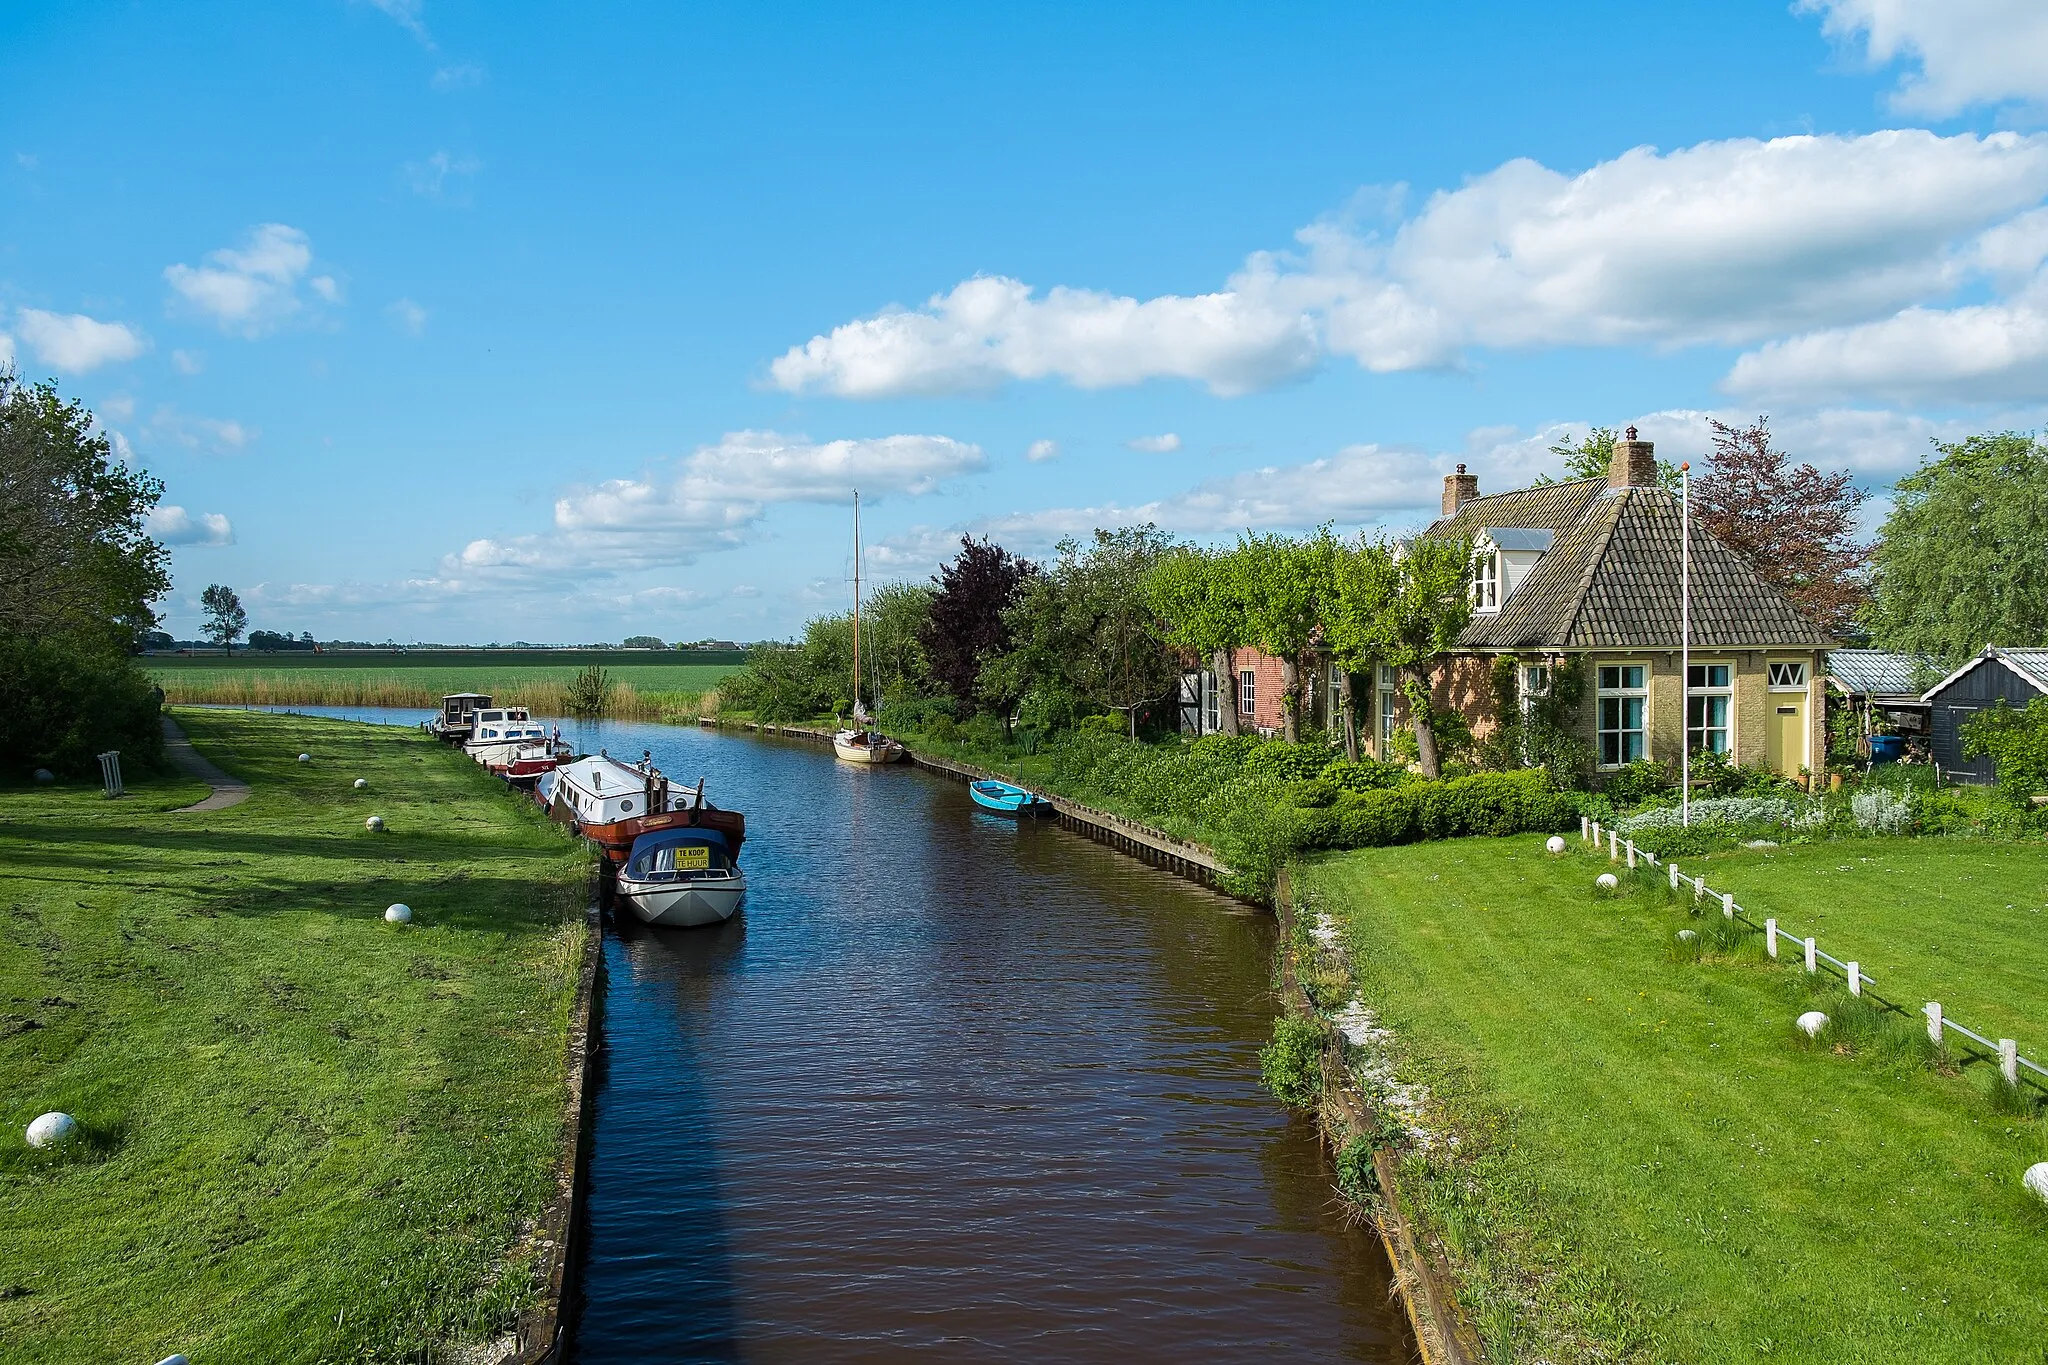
862	743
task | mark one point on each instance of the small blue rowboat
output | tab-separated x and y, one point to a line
1005	799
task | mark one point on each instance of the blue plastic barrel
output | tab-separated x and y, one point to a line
1887	748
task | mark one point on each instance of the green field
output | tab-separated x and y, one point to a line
1651	1163
310	1135
538	679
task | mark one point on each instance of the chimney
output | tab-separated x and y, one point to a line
1634	464
1459	489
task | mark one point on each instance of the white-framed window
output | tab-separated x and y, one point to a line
1247	691
1623	701
1789	676
1709	702
1389	687
1486	582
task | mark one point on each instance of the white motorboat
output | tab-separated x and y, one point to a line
506	736
682	876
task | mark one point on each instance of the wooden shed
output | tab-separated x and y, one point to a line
2016	676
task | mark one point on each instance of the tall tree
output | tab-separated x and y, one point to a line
1795	525
1402	609
1962	560
891	625
76	558
1286	585
225	619
966	626
1592	456
1195	594
1085	624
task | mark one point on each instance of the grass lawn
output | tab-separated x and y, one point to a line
1651	1163
310	1135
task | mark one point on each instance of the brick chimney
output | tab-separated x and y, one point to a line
1634	464
1459	489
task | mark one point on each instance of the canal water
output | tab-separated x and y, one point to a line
950	1087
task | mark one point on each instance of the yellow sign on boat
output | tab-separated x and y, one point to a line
693	858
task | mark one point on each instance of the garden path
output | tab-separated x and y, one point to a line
227	791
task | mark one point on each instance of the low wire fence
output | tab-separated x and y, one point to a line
2013	1068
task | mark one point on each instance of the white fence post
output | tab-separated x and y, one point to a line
1855	978
1674	876
1699	888
1585	828
1728	904
1771	937
2009	1061
1613	846
1631	854
1596	834
1811	965
1932	1009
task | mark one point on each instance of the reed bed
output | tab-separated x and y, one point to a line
339	688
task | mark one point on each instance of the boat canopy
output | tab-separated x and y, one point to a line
668	851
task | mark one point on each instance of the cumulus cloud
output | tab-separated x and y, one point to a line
75	343
1163	444
1968	51
252	288
221	435
408	316
710	499
1730	242
175	526
1038	452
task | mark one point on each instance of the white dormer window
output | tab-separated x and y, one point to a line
1486	581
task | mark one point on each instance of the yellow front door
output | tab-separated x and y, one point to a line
1787	731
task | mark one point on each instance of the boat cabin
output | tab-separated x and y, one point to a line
458	710
503	724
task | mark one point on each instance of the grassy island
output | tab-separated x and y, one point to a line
309	1135
1629	1153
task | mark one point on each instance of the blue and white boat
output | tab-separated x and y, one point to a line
1006	799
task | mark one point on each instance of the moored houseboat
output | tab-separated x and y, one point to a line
616	805
508	737
458	716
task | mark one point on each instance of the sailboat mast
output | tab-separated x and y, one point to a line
856	601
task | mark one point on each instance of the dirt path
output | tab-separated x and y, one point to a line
227	791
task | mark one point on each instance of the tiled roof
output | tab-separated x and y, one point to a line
1611	579
1877	673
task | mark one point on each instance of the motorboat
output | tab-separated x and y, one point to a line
682	875
506	737
1006	798
458	716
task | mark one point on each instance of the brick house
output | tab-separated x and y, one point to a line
1588	570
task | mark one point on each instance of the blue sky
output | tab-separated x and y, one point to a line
469	323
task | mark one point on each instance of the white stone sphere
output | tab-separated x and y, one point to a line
398	914
1687	936
375	824
1606	881
362	784
1555	843
1812	1022
305	758
2036	1180
174	1360
45	775
51	1129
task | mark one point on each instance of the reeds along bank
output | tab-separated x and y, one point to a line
625	702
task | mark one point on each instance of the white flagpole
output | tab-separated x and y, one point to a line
1685	643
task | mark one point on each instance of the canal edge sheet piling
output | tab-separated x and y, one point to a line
542	1332
1140	841
1442	1335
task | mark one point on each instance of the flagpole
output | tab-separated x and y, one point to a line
1685	643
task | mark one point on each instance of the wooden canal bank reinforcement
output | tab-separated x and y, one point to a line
1140	841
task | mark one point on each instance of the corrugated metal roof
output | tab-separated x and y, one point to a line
2033	663
1611	577
1878	673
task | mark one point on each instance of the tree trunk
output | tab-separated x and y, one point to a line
1290	700
1350	717
1225	669
1412	683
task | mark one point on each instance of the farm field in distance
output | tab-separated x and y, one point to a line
1652	1163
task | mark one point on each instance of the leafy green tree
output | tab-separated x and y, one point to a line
225	619
643	642
1402	609
1962	561
892	626
1085	625
1286	586
1198	599
1591	458
2016	742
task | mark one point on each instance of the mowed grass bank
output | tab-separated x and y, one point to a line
310	1135
641	691
1651	1163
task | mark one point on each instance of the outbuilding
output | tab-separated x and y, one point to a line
1882	691
2016	676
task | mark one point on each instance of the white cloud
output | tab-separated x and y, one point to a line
118	408
188	362
1730	243
252	288
1968	51
460	76
222	436
432	177
1163	444
123	452
1038	452
408	316
406	13
75	343
712	497
6	350
175	526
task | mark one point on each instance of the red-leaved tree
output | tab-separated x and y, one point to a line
1795	525
966	627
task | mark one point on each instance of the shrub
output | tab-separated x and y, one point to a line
1291	1065
1880	810
1638	782
1366	774
61	704
1288	762
2016	742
